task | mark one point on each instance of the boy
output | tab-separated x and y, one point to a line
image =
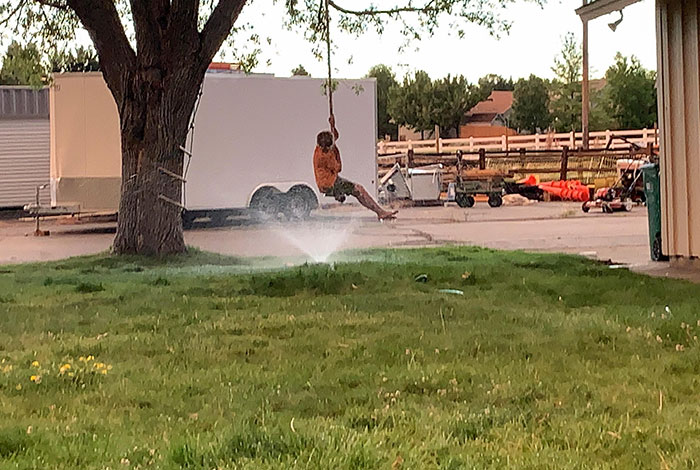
327	165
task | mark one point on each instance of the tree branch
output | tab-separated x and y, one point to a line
427	8
58	4
218	27
101	19
14	11
182	31
144	14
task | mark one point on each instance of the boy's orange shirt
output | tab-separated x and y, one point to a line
327	165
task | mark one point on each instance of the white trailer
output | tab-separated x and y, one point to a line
251	145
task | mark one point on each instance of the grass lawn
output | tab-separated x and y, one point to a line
546	361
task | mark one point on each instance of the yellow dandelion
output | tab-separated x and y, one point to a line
109	367
18	387
64	368
90	358
103	371
99	365
35	364
81	358
36	379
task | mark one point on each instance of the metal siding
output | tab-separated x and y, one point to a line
24	103
679	116
24	161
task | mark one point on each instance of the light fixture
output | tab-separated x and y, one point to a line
614	25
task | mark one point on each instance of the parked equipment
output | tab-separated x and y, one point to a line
478	182
623	195
425	183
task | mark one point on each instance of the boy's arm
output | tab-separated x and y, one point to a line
331	120
337	159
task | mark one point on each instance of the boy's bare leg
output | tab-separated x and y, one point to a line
366	200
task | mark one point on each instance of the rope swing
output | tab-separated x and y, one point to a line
328	57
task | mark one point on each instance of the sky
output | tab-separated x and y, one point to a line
534	40
530	47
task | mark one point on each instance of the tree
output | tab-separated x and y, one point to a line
452	99
531	105
155	75
81	59
566	87
631	93
385	82
412	103
22	66
300	71
492	82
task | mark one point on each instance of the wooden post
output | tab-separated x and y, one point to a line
564	163
656	135
459	165
409	158
471	144
437	138
504	143
572	140
482	159
585	96
537	141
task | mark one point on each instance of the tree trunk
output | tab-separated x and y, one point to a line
154	117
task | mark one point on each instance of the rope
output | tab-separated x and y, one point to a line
328	57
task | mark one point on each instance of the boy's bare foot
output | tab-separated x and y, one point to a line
387	215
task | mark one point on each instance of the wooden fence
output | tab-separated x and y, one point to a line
612	140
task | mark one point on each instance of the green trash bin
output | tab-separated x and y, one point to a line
652	193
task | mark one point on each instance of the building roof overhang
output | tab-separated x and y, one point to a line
597	8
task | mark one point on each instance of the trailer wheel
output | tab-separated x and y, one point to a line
464	200
299	201
495	200
607	209
585	208
266	203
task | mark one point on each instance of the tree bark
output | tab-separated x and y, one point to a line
154	117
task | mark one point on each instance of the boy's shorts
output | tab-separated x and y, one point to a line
340	188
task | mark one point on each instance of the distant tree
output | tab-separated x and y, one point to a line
600	117
566	87
631	93
22	65
386	80
81	59
492	82
411	104
531	105
452	98
300	71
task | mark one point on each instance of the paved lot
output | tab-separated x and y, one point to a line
556	227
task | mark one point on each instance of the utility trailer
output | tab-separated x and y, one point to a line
249	152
